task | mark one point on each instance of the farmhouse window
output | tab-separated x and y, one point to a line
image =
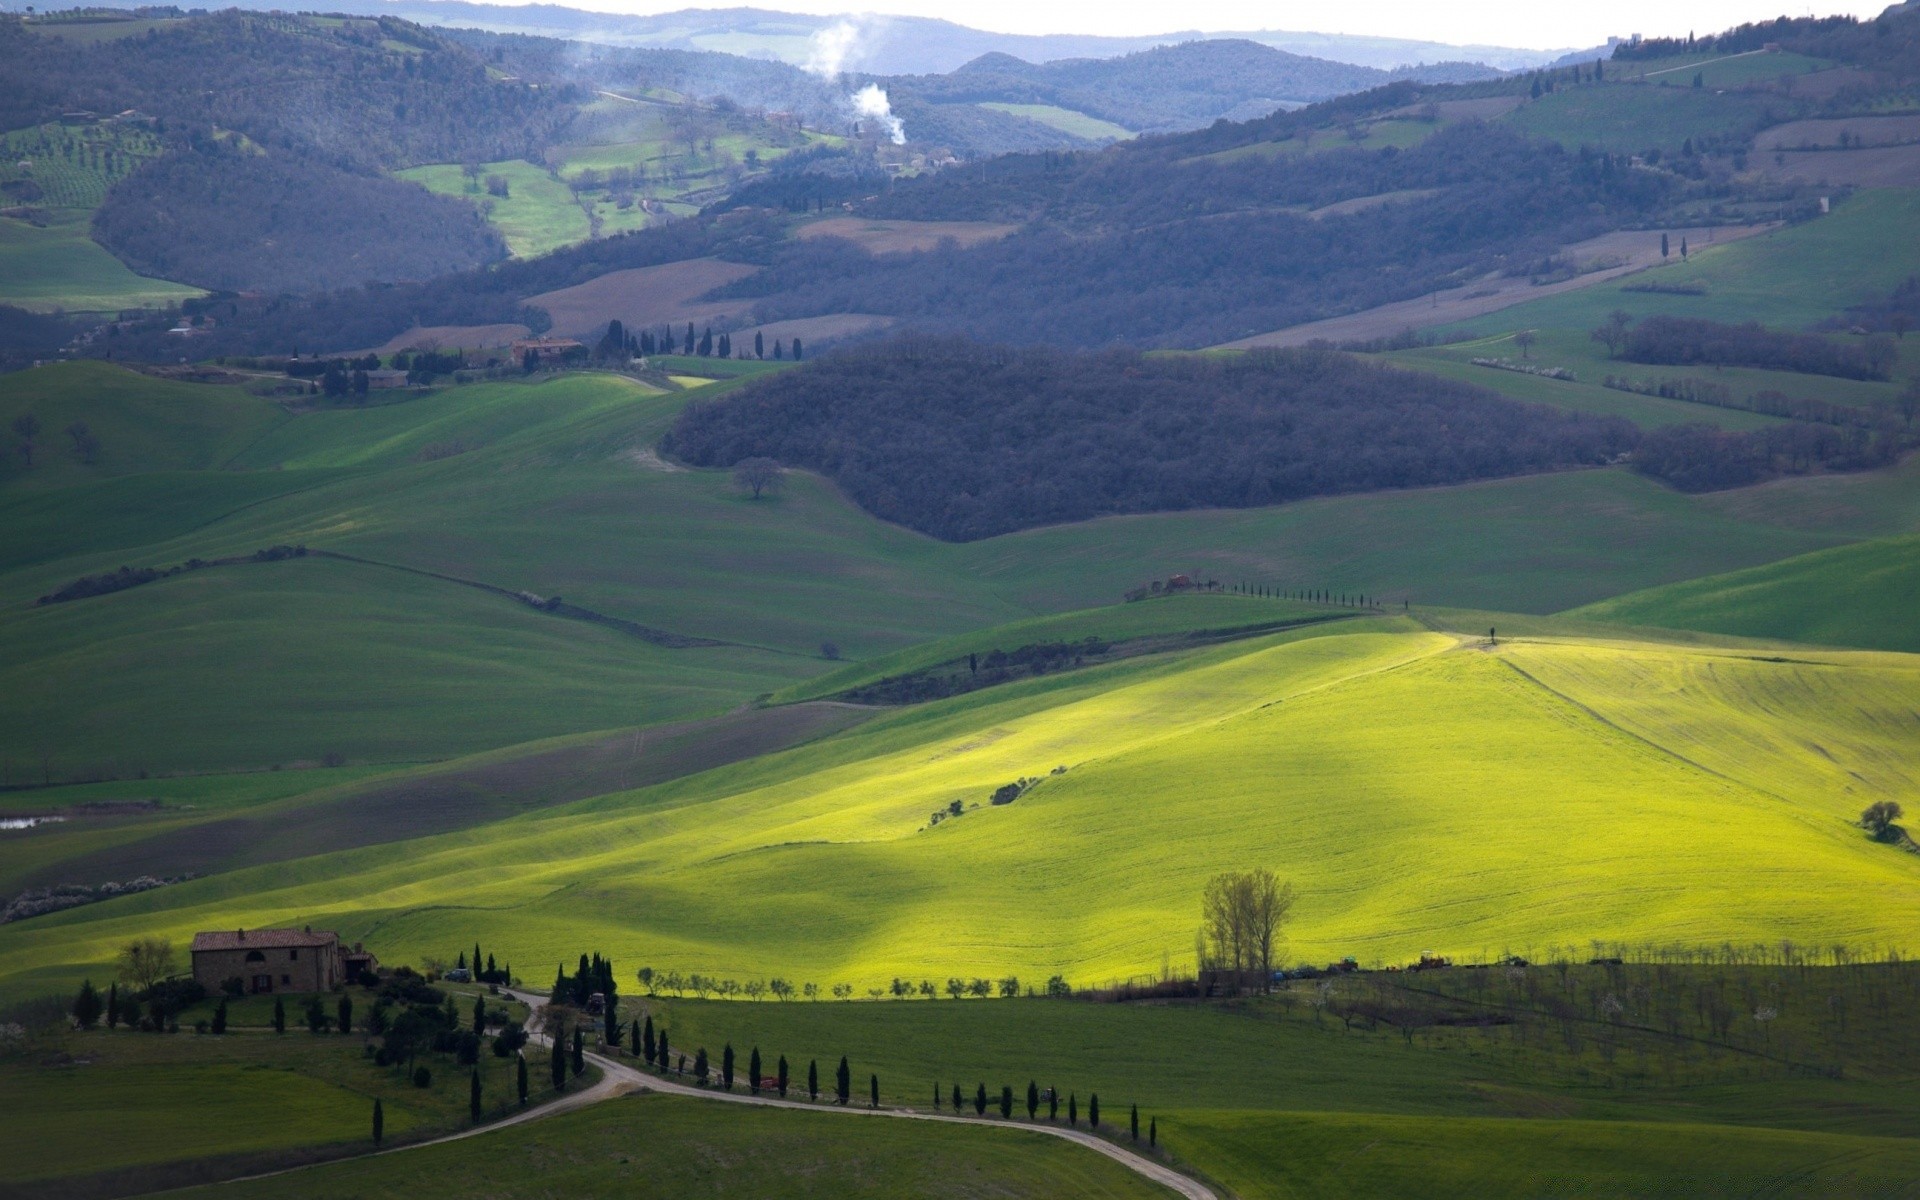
294	954
286	979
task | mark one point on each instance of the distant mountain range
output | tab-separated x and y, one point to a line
882	45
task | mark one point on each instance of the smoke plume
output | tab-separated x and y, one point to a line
829	52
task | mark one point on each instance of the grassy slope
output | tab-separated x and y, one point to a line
1792	277
1634	118
549	496
817	863
1066	120
59	267
182	1096
662	1145
1859	595
537	215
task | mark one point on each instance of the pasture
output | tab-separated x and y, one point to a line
1859	595
537	215
188	1107
58	267
1701	818
1635	118
1066	120
701	1147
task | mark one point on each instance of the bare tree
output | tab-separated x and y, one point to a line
758	475
1243	918
1614	333
146	961
1524	339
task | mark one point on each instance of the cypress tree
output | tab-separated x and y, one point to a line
473	1096
646	1039
1093	1111
613	1020
873	1090
796	350
220	1016
1153	1132
1073	1109
379	1122
957	1102
980	1101
479	1015
559	1061
1133	1123
1053	1104
461	962
1006	1102
813	1079
753	1071
1033	1099
726	1065
579	1051
520	1078
343	1012
700	1065
759	345
1663	245
783	1077
843	1081
280	1014
476	960
662	1051
87	1006
635	1035
936	1097
113	1006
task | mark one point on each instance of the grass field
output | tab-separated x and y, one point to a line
1633	118
1066	120
1721	783
549	488
247	1098
537	215
57	266
1717	70
662	1145
1791	278
1861	595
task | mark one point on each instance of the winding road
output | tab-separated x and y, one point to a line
618	1078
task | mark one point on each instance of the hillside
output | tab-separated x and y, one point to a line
1655	752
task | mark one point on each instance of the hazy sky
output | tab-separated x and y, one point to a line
1538	24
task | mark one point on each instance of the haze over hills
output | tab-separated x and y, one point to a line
886	45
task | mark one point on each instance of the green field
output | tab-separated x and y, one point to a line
188	1107
1659	755
1790	278
58	267
546	488
1717	70
1861	595
1632	118
661	1145
1066	120
537	215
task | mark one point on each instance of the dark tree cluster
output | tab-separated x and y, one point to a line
1690	341
1705	458
1889	42
379	92
976	671
964	441
220	216
1158	249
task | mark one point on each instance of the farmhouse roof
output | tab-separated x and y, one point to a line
261	939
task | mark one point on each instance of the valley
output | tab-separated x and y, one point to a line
1238	616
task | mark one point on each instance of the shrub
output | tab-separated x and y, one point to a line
422	1077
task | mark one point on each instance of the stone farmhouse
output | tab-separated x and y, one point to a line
269	960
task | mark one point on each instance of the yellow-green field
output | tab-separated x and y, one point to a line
1066	120
1422	790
